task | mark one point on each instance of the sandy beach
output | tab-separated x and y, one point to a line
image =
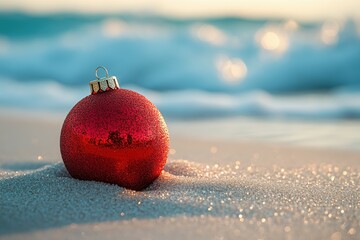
222	187
261	99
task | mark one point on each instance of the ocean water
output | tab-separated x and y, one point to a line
190	68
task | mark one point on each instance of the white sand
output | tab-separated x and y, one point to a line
237	189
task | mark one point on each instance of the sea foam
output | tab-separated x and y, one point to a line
225	66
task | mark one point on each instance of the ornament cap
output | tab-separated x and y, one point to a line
103	84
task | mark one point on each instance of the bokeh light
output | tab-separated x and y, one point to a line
272	39
113	28
329	32
291	25
208	33
231	69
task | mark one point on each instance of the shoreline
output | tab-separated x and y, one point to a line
215	188
27	137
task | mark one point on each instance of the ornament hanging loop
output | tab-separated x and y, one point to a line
103	84
101	67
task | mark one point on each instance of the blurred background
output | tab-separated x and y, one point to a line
288	60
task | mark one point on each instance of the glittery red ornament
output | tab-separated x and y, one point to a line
116	136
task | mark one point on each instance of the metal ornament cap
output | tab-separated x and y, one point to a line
103	84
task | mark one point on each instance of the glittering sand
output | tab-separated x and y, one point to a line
236	190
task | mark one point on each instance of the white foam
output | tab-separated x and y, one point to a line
51	96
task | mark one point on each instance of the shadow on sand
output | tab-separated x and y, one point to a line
36	196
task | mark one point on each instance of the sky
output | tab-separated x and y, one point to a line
306	10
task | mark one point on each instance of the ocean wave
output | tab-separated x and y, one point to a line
189	68
235	56
189	104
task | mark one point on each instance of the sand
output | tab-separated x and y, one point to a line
211	188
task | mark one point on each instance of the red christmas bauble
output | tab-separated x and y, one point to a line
116	136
